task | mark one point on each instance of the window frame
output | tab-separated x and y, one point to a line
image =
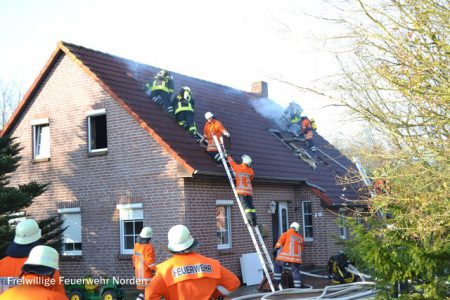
35	124
227	204
68	211
93	114
307	239
138	210
343	230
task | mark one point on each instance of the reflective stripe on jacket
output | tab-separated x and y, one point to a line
191	276
292	245
183	102
33	288
216	128
144	263
164	84
244	177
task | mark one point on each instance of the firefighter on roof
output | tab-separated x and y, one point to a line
213	127
188	275
291	244
292	116
307	132
183	104
161	90
144	261
244	177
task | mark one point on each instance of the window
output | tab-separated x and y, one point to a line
97	136
41	138
223	221
342	225
307	221
72	244
131	224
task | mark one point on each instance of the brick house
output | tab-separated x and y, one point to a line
117	162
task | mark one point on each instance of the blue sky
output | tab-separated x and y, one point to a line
230	42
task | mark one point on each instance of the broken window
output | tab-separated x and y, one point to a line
41	140
223	221
307	220
97	133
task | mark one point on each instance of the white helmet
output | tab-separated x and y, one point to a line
296	226
146	233
186	88
180	238
43	256
208	115
27	232
246	160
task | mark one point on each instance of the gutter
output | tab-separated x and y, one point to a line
264	179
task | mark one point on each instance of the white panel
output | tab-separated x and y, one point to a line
40	121
224	202
252	270
131	214
73	232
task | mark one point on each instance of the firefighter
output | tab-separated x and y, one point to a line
144	261
161	90
290	256
27	236
183	104
244	177
292	116
307	132
38	277
213	127
188	275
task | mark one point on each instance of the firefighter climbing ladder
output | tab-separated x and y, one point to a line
249	227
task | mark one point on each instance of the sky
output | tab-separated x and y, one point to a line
231	42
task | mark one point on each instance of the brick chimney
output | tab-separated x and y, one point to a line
260	87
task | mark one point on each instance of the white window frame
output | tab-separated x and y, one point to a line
95	113
227	204
39	123
67	211
307	239
282	206
124	210
342	224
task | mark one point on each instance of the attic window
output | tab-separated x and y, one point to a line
41	139
97	131
289	141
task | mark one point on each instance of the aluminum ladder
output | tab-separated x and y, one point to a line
252	230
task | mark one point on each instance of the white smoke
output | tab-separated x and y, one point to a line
269	110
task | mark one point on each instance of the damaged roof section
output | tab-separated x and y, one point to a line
250	132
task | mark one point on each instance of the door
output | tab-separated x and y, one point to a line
280	222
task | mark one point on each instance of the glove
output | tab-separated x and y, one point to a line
275	252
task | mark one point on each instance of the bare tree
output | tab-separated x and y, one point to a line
10	95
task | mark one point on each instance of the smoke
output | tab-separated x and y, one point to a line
138	72
269	110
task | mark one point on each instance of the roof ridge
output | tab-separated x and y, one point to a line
67	44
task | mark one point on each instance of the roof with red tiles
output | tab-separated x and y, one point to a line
125	79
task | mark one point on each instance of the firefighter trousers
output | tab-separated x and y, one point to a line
293	267
249	209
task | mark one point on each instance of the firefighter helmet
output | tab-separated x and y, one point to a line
208	115
296	226
246	160
146	233
27	232
180	239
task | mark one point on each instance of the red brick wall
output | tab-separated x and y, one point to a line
135	166
201	196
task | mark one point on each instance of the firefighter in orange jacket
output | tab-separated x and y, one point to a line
37	281
291	244
213	127
244	177
144	261
27	236
188	275
307	132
